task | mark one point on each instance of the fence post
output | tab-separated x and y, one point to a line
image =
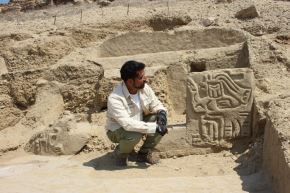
128	9
54	20
168	7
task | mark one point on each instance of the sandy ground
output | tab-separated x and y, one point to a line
212	173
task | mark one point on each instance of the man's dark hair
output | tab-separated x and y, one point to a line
130	68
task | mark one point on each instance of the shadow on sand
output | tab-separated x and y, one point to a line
107	162
249	169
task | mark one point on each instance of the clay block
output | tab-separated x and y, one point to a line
219	105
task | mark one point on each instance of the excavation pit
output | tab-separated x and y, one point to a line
174	57
160	49
62	54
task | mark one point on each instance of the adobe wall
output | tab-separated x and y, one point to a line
134	43
276	153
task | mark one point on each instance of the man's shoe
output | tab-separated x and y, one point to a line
147	157
122	159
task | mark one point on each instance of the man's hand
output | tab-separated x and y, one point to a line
161	122
161	129
161	118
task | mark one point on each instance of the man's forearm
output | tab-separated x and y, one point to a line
130	124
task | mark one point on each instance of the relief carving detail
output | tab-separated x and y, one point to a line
219	104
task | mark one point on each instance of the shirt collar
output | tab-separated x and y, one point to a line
125	90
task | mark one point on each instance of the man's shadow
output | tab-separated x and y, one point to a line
108	162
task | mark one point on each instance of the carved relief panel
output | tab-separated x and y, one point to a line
219	104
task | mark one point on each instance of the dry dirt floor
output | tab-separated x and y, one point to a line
88	173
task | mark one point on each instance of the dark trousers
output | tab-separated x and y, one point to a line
128	139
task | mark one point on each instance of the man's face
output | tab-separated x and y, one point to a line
140	80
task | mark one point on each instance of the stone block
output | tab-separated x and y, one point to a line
210	21
81	83
219	105
64	137
163	21
247	13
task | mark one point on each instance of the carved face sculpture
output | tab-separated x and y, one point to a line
63	138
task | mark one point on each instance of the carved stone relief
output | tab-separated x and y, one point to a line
219	105
66	136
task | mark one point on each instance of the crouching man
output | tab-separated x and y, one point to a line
135	111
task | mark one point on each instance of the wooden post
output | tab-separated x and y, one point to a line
81	16
54	20
128	9
168	7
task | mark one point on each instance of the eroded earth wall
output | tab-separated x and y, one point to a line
276	154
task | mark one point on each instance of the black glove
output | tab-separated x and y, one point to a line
161	129
161	118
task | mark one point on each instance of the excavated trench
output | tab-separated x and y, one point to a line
135	43
204	77
160	49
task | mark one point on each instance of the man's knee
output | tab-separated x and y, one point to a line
150	118
132	137
129	141
112	136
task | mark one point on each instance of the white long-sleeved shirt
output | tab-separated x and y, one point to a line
123	112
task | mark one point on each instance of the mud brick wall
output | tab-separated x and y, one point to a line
276	149
219	105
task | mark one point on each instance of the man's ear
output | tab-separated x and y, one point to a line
130	81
